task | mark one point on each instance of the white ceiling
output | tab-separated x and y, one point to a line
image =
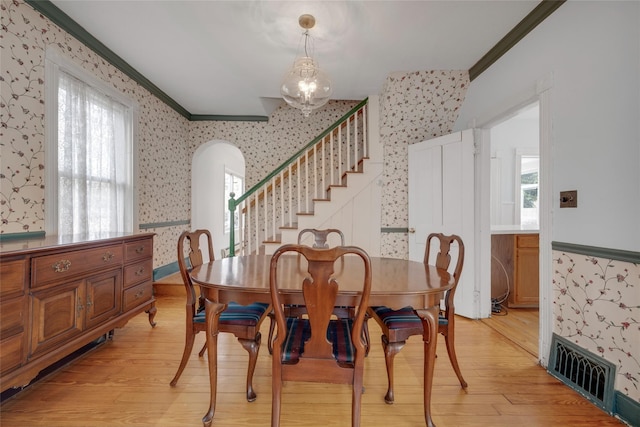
229	57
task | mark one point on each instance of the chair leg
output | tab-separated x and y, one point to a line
275	403
390	350
356	402
272	326
252	347
367	339
188	346
448	339
204	348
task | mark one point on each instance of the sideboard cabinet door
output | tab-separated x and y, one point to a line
104	296
57	316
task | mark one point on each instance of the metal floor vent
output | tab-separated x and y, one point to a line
588	374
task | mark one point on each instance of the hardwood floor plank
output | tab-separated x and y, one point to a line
125	382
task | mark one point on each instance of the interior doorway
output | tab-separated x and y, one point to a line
515	184
212	164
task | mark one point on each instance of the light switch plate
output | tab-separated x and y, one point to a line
569	199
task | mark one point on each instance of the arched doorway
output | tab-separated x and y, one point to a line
208	199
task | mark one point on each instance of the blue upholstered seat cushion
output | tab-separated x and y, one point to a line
247	315
405	317
338	333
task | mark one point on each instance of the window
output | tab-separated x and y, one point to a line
529	183
232	184
90	154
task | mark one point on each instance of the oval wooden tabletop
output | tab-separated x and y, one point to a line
395	282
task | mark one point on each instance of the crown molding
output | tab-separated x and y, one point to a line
64	21
61	19
58	17
216	117
528	23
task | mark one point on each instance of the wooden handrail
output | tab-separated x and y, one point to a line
304	154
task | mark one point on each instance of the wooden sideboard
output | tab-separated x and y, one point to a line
518	258
60	293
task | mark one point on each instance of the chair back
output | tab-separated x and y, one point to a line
189	249
320	290
443	260
320	236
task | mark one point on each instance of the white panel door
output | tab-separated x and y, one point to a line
441	199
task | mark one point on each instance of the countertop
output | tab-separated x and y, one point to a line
514	229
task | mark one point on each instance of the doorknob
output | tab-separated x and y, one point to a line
412	230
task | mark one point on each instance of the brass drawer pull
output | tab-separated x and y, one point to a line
140	249
140	271
107	256
61	266
139	294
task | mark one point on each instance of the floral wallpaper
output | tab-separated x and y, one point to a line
266	145
414	107
597	306
21	120
163	181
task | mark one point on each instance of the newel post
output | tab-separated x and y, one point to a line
232	229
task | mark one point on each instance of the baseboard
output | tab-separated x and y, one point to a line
165	270
627	409
170	285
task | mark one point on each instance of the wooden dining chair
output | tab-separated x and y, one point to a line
320	347
320	240
241	320
398	325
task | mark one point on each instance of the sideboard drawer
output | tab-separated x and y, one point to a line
11	353
138	272
60	266
12	275
139	249
137	295
12	317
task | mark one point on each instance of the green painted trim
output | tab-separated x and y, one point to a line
163	224
617	254
165	270
528	23
626	408
65	22
58	17
394	230
21	236
219	118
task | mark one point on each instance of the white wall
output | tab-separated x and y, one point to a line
589	55
208	201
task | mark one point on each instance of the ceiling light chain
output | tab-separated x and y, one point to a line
306	86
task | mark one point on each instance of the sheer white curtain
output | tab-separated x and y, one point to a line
94	160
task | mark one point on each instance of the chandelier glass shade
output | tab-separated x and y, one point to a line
305	86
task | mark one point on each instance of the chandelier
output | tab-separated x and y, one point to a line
306	86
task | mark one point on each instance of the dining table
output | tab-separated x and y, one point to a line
396	283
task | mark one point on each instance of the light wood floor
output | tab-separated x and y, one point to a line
520	325
125	382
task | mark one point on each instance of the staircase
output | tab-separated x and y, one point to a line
318	187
